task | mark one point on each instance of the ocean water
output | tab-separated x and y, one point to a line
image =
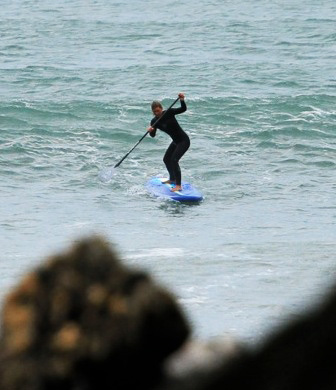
77	80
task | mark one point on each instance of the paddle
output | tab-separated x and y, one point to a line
106	174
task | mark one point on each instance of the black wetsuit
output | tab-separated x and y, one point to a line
180	144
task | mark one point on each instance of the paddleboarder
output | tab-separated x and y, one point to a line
180	140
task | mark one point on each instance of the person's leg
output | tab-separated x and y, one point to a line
179	151
167	159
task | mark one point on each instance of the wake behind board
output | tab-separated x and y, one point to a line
156	187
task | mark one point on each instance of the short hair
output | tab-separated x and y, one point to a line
155	104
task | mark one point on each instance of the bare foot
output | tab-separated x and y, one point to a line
176	188
168	182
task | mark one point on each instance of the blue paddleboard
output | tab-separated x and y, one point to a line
156	187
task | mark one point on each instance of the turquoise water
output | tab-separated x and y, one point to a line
77	80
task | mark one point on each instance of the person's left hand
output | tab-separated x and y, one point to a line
181	96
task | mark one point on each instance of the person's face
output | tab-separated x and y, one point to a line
157	111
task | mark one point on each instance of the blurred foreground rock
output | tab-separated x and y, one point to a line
84	321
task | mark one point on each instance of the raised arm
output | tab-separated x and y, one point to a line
181	109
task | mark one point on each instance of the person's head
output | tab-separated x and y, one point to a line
157	108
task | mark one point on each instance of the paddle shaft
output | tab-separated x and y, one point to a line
127	154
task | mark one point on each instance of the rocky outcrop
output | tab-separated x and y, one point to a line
84	321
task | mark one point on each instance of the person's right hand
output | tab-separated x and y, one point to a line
150	129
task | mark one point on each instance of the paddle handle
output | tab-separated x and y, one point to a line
128	153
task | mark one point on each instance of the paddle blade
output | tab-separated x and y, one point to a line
106	174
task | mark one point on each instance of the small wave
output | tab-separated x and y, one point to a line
331	37
316	113
10	121
322	164
321	20
313	148
290	161
14	47
289	131
287	84
159	252
29	111
198	300
268	145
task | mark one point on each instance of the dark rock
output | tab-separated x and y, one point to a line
85	321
